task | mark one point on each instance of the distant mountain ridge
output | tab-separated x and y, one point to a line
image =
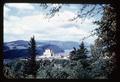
19	48
62	44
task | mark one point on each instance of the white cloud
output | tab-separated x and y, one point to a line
43	29
6	10
21	5
63	16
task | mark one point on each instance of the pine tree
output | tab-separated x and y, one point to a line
32	50
73	54
106	36
31	66
80	53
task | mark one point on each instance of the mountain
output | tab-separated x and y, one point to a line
21	44
62	44
5	48
17	49
15	53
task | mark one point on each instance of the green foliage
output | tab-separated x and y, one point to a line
68	70
80	53
82	68
58	74
8	72
106	36
78	67
42	74
30	65
14	69
107	28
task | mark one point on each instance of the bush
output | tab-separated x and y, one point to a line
58	74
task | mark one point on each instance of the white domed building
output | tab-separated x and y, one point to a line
48	53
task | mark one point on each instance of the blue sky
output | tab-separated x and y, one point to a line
23	20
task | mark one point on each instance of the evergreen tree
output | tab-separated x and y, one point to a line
80	53
31	66
106	36
73	54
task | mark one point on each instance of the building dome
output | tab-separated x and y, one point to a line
48	53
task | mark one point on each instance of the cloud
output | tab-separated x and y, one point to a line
21	6
21	9
56	28
63	16
6	10
70	25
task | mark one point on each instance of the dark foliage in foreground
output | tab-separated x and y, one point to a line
30	65
82	68
58	69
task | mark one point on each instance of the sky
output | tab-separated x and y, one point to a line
23	20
